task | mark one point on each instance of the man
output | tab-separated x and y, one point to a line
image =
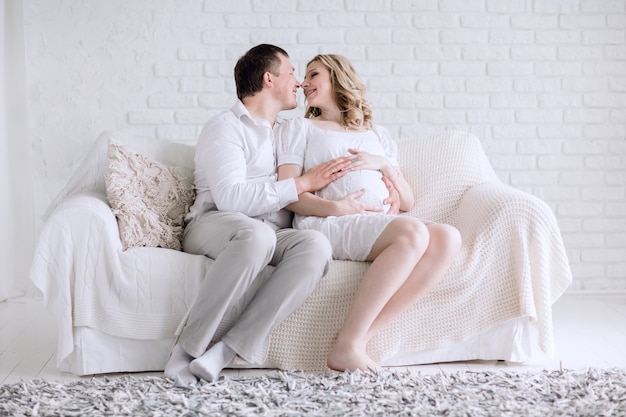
239	221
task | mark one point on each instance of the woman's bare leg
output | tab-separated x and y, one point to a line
395	254
444	245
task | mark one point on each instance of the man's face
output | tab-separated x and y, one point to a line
286	84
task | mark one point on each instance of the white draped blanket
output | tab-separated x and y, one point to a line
512	263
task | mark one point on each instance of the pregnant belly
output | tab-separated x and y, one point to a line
375	189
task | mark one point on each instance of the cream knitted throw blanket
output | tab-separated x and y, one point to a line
512	263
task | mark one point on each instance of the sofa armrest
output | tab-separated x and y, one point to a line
494	214
497	221
81	221
80	229
483	204
87	215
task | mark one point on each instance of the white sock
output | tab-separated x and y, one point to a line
177	368
210	364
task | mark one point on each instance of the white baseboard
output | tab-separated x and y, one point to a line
595	292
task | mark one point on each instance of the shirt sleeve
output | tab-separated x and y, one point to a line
291	142
224	164
389	145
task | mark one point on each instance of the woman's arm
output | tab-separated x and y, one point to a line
402	186
309	204
394	197
365	160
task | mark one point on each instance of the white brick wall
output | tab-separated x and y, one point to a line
541	82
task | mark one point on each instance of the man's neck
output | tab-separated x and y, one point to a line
259	108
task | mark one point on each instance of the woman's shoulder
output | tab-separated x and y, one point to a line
380	129
296	122
385	139
294	126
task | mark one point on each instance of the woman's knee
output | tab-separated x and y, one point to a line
445	237
412	233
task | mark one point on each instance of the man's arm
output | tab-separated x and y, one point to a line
223	168
236	184
309	204
317	177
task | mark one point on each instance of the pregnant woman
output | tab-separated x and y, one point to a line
408	256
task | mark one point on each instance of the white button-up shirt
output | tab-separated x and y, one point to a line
235	169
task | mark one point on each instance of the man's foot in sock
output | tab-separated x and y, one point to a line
210	364
177	368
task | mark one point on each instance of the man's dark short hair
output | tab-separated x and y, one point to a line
253	64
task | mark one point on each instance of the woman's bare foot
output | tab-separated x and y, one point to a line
350	359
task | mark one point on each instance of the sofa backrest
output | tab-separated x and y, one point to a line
441	168
91	172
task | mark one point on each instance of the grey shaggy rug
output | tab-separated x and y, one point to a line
593	392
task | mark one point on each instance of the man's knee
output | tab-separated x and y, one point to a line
255	237
251	239
319	247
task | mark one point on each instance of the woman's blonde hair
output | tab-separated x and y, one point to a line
349	92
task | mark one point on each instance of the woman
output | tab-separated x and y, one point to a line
408	256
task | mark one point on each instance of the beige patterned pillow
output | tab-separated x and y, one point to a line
149	199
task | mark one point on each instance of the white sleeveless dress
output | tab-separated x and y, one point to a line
300	142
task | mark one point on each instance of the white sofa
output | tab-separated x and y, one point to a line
117	310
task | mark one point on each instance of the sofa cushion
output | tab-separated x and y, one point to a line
149	199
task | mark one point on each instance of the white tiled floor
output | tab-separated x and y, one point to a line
590	331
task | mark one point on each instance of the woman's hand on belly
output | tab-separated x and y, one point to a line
393	201
366	160
350	204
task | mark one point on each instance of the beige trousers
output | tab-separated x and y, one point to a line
240	299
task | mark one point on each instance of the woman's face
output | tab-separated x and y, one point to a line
317	86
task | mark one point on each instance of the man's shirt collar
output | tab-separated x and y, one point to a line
242	111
